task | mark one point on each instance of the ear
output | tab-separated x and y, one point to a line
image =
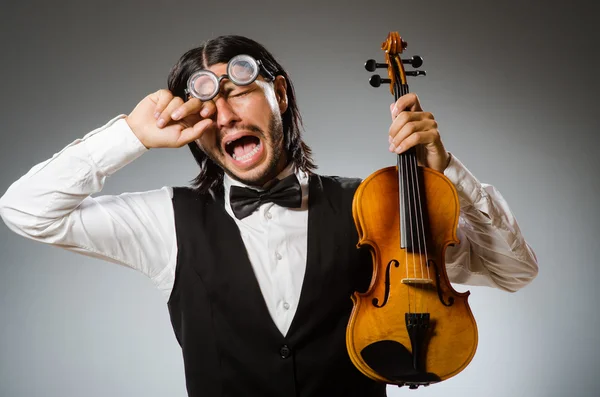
280	88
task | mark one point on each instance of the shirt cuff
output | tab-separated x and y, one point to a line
113	146
470	191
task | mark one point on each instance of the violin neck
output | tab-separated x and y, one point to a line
400	89
411	195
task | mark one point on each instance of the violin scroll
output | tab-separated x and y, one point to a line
393	47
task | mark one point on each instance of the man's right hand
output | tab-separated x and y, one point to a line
162	120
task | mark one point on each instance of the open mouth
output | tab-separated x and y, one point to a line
244	149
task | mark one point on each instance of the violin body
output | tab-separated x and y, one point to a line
410	327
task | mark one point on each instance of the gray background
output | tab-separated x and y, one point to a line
512	86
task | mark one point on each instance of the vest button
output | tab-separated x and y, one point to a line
285	351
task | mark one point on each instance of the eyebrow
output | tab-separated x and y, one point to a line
226	87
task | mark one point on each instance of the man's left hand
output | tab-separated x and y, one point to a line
411	126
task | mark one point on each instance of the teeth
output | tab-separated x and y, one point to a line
247	155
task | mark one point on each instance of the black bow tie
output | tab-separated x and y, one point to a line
286	192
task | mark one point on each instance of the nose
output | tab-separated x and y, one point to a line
226	115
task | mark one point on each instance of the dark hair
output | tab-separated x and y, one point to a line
221	50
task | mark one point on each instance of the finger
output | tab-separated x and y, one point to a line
165	116
409	102
402	119
191	106
190	134
410	141
190	121
194	106
208	109
413	133
162	98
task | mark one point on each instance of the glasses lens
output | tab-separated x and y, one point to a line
203	85
242	70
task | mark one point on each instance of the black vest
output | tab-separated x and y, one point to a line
231	346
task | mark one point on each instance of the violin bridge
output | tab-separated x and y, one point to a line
417	281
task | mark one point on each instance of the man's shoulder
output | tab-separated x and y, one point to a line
185	191
189	193
342	184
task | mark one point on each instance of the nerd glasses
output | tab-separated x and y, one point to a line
242	70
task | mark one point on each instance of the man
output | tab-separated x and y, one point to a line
258	291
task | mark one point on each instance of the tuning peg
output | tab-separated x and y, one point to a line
416	61
376	80
371	65
416	73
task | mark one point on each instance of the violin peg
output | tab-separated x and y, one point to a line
416	61
376	80
416	73
371	65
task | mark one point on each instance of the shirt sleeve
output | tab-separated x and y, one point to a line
492	250
52	204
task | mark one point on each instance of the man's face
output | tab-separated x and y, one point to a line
246	138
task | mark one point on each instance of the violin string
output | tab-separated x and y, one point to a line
415	247
411	229
414	251
411	175
402	213
403	228
419	229
415	228
411	216
424	235
421	226
404	186
423	253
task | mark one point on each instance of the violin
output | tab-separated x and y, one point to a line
410	328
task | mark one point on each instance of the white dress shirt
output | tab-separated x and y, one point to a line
52	204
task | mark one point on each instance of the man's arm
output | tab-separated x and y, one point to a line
492	251
52	204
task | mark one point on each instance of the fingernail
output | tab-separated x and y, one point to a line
392	147
156	115
398	149
204	112
389	139
176	115
161	122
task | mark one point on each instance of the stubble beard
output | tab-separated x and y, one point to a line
273	141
